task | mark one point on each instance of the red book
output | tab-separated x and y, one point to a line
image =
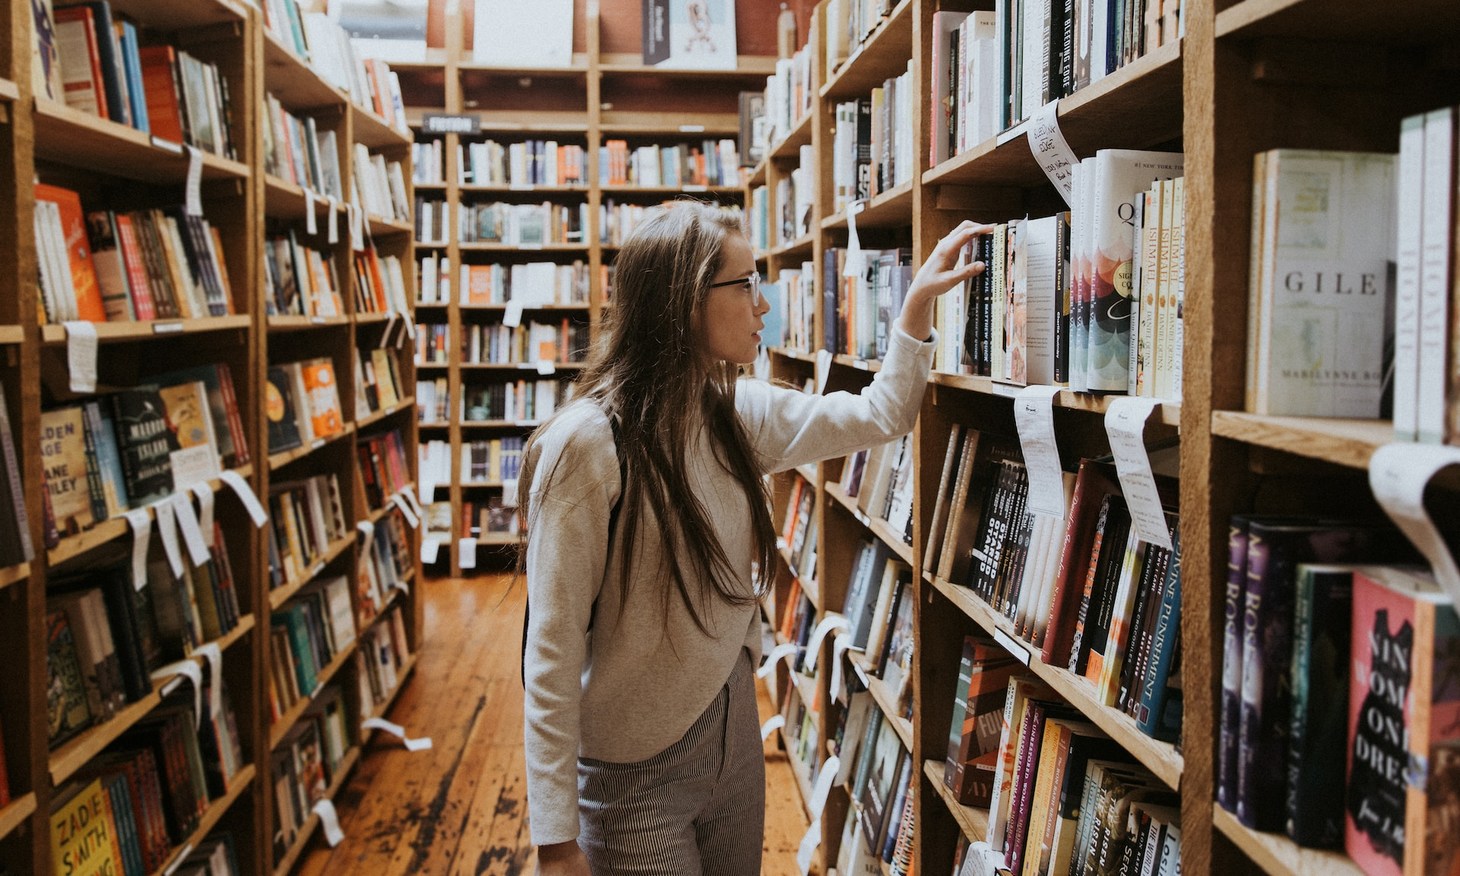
1093	482
136	267
78	250
164	111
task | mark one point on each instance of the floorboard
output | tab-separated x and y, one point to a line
460	808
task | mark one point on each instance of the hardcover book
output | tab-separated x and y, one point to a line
147	443
190	421
64	460
84	839
1320	669
281	410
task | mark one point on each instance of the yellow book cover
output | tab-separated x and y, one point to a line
64	462
384	378
84	835
191	420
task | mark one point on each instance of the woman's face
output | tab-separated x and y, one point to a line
730	321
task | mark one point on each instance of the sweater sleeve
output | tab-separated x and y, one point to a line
574	485
791	428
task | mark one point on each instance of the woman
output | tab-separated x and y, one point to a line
646	508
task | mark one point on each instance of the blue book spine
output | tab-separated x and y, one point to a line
132	66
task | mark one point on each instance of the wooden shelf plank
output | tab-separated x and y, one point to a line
1136	107
528	189
306	830
281	459
69	136
115	332
284	592
1422	22
374	131
885	698
881	56
518	367
1279	855
70	757
803	244
1167	413
286	200
1161	758
888	210
371	419
242	780
974	823
857	362
527	121
671	190
174	15
519	247
575	68
529	308
74	546
295	323
878	527
14	574
9	90
794	355
624	123
280	728
294	83
630	64
379	225
16	813
1346	442
11	334
799	135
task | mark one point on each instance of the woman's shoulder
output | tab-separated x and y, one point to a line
579	432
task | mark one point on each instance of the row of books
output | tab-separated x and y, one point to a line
143	797
523	400
433	401
319	40
880	778
707	163
300	280
306	634
879	611
848	25
380	283
514	224
860	309
428	162
109	266
532	284
801	527
133	447
106	637
785	101
562	342
93	61
302	403
495	516
383	467
495	460
305	763
433	278
432	343
795	199
387	563
378	384
880	479
306	518
381	660
379	186
1086	591
793	298
872	142
298	150
528	163
15	543
967	102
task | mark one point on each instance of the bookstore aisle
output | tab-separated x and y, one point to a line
460	806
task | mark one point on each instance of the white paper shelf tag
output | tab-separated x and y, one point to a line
546	367
399	732
1034	417
205	511
466	552
141	523
779	652
329	819
193	196
813	645
213	656
512	318
334	221
809	844
406	512
246	495
192	533
367	529
824	781
823	370
856	263
190	670
1398	474
839	647
1125	425
167	528
311	222
1051	151
772	724
430	549
81	351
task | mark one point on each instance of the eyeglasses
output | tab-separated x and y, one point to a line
751	284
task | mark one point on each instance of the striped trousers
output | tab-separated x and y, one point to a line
698	807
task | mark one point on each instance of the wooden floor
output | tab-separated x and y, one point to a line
460	807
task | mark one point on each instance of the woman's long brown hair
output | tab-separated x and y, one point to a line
649	372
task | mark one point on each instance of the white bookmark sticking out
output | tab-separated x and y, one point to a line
415	503
187	522
247	496
1034	418
823	370
430	549
205	511
513	317
404	507
831	622
856	263
397	731
466	552
194	673
1125	425
839	647
367	529
179	859
1051	151
357	227
141	523
1398	474
211	653
809	843
390	320
822	788
772	724
329	819
167	528
311	224
193	196
779	652
81	350
546	368
334	220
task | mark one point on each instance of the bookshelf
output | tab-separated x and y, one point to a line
1247	75
114	166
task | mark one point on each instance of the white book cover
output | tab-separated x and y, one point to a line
1325	290
1041	300
685	34
945	83
1435	274
1409	220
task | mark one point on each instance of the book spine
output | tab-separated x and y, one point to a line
1151	712
1231	714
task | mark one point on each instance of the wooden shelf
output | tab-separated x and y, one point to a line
519	367
686	189
1424	22
878	527
9	90
114	332
801	245
630	64
974	823
283	458
75	753
371	419
481	485
1136	107
577	67
498	539
16	813
280	728
1167	413
290	79
287	200
529	189
74	546
857	362
241	782
891	209
1346	442
286	591
520	248
306	830
527	308
381	226
14	575
434	424
790	145
12	334
794	355
881	56
72	137
1161	758
176	15
294	323
620	123
434	186
497	424
1280	856
373	131
885	698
